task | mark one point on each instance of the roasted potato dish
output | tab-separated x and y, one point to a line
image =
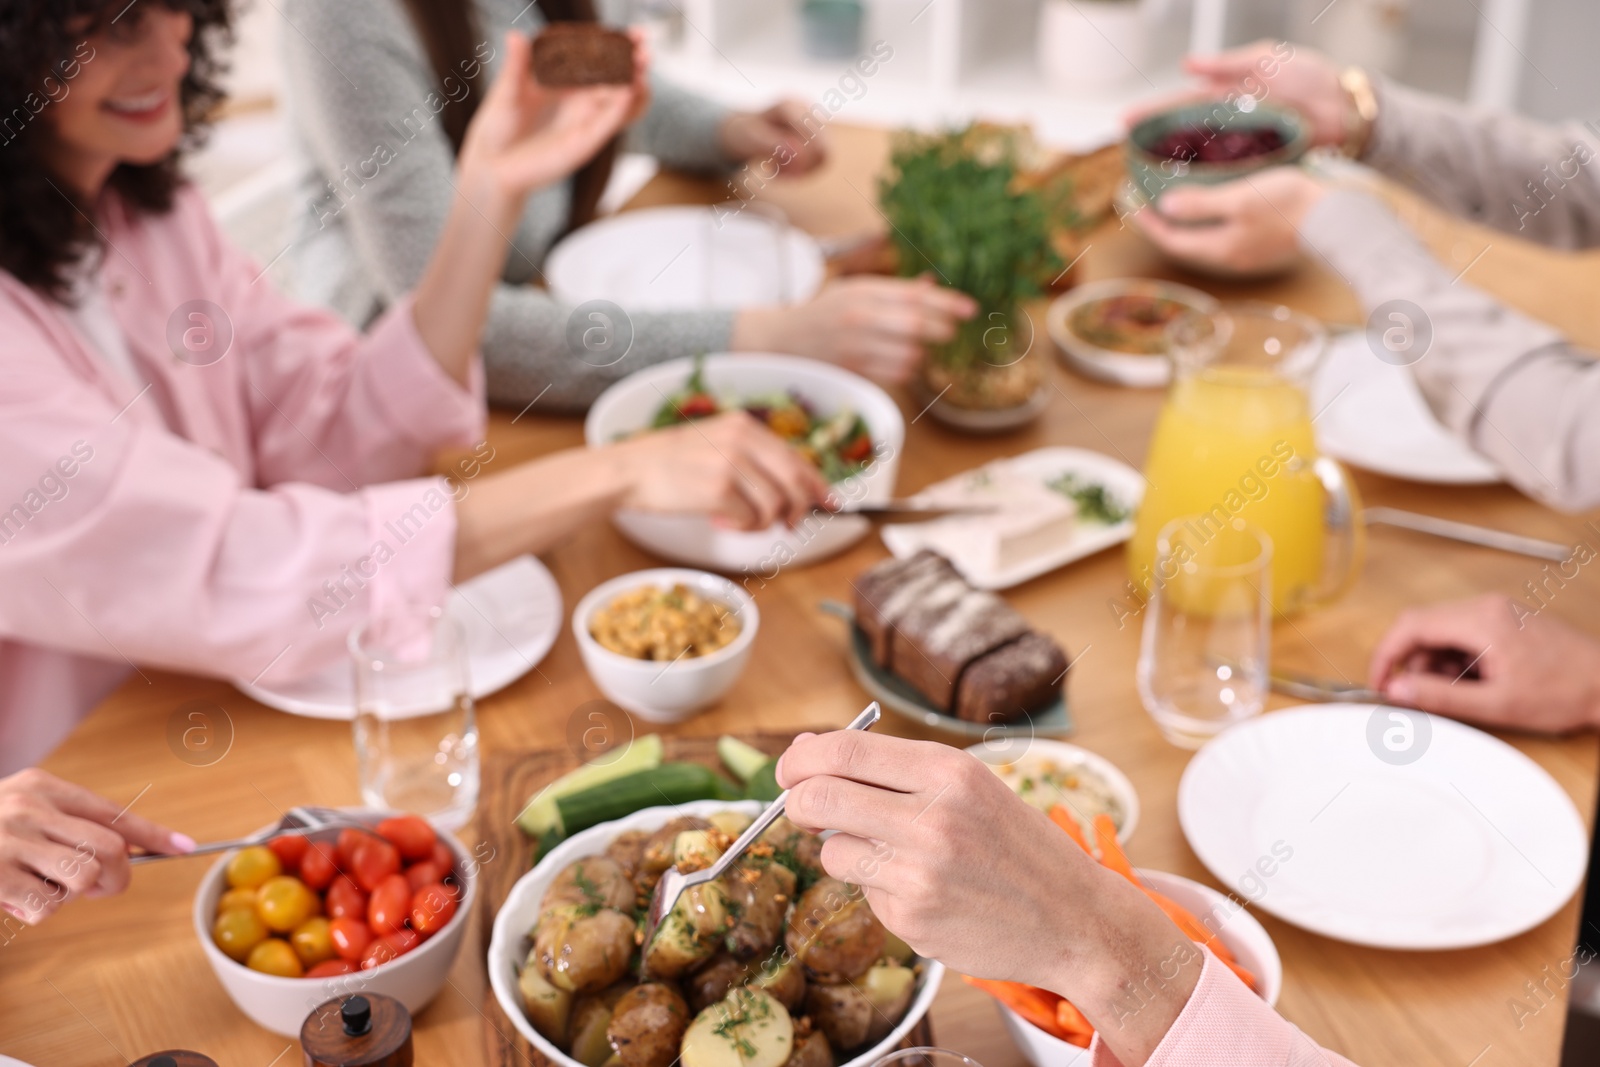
834	933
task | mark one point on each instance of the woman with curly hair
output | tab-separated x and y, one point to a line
189	462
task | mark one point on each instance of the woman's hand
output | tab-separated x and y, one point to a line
59	841
1533	672
730	467
1247	226
878	327
778	135
965	872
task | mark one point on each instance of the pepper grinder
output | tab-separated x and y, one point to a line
175	1057
365	1030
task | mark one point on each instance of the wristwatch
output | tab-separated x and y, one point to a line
1361	113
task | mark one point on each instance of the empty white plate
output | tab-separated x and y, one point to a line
685	258
1383	827
1372	415
511	616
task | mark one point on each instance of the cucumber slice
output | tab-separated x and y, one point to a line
541	817
744	760
670	783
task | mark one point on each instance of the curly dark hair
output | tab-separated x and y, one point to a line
44	228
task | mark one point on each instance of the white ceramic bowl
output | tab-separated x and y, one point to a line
508	945
1238	929
1108	365
282	1004
1011	749
662	692
629	405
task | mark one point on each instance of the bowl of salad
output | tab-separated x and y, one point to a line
847	426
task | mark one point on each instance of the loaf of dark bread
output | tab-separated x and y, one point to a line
953	625
567	54
1012	680
888	590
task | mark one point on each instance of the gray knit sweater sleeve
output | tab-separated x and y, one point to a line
365	109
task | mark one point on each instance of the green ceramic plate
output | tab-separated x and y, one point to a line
900	698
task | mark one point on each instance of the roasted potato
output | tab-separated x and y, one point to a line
583	950
843	1012
590	1018
834	933
758	899
889	989
690	933
747	1028
628	851
658	855
594	881
794	848
711	983
695	850
547	1007
783	976
811	1049
647	1025
732	823
896	949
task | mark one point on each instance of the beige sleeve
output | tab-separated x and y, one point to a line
1509	384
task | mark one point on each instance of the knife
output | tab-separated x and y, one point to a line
1322	690
1466	533
904	510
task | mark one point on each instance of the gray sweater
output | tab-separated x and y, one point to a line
1511	385
363	101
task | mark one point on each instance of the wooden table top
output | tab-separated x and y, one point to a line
109	980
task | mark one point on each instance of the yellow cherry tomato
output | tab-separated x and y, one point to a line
275	956
237	931
285	902
312	941
252	866
234	899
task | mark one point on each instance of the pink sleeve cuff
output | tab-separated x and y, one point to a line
424	402
412	526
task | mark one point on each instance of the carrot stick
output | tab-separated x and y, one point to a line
1245	976
1038	1006
1070	1019
1193	927
1069	822
1111	854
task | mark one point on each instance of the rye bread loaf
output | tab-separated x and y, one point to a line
889	589
568	54
1012	680
951	626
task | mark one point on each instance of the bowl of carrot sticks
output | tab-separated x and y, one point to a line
1048	1028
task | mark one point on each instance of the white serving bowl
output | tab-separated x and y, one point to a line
1105	364
693	540
1238	929
662	692
282	1004
508	945
1011	749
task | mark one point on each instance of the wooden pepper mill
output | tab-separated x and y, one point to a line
364	1030
175	1057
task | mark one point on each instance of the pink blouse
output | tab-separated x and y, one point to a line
240	514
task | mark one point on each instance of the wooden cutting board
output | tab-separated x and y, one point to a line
509	779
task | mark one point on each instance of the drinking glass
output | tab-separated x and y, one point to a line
1207	628
926	1056
416	732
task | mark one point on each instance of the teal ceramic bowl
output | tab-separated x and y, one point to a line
1153	174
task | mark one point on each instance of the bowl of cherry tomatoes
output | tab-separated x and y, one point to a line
380	907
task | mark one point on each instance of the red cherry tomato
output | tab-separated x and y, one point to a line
388	947
349	840
698	406
318	865
374	860
345	898
413	835
331	969
431	908
425	873
350	938
443	855
290	849
390	905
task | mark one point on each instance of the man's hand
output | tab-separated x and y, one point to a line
1248	226
776	138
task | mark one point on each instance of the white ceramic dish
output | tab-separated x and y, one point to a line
282	1004
951	536
1011	750
693	540
1372	415
1108	365
1467	844
667	692
511	616
508	944
1245	937
982	420
681	258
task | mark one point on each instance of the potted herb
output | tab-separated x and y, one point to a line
959	214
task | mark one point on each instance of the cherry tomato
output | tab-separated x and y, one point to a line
374	860
319	865
251	866
431	908
390	905
290	850
425	873
698	406
350	938
857	450
345	898
331	969
285	903
243	897
413	835
312	941
349	840
274	956
388	947
443	855
238	931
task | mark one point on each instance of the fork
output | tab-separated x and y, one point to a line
299	821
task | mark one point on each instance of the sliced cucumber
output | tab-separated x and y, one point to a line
763	785
540	817
743	759
670	783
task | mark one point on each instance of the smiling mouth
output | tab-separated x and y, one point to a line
145	107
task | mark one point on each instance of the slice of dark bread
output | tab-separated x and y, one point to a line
1012	680
887	590
567	54
949	628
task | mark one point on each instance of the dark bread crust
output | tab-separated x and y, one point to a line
933	643
568	54
888	590
1012	680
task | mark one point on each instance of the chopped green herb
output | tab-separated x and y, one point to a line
1095	502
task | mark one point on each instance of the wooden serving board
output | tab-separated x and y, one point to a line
509	779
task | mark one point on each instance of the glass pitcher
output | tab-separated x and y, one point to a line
1234	441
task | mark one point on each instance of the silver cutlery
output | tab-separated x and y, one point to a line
909	510
1322	690
300	821
1482	536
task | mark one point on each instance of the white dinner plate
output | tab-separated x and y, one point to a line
1382	827
511	616
683	258
1371	414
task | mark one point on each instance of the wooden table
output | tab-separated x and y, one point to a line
106	981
